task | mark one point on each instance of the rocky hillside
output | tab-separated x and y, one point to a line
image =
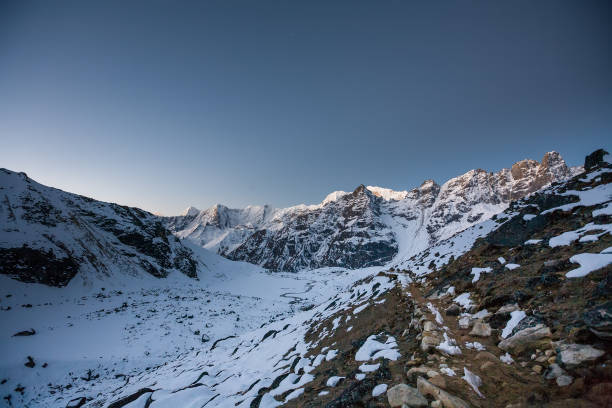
370	226
49	236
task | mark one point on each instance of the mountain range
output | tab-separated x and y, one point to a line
366	227
49	235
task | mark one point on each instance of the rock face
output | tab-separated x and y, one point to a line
49	236
365	227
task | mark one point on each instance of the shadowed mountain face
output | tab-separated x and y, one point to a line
367	227
49	236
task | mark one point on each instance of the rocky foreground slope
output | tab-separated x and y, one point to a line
370	226
50	236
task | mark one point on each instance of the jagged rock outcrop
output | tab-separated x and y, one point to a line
49	236
369	226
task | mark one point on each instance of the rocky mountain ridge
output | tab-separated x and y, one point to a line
371	225
50	236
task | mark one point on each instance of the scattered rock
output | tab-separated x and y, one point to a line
564	380
481	329
30	332
573	354
530	337
453	310
403	394
537	368
415	371
30	363
599	320
76	403
447	400
485	355
429	342
506	309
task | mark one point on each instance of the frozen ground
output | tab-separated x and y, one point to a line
90	339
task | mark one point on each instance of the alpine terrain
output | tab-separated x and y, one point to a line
490	290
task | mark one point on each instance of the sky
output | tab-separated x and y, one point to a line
162	104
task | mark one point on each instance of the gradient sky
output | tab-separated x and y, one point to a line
164	104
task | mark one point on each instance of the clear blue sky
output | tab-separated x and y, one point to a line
163	104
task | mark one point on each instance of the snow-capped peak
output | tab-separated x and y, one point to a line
334	196
387	194
190	212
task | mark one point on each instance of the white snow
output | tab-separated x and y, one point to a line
435	312
507	358
515	319
501	260
464	300
373	349
333	381
597	195
473	380
568	237
322	393
360	376
449	346
475	346
448	371
605	210
512	266
360	308
379	389
532	241
368	368
588	263
528	217
477	271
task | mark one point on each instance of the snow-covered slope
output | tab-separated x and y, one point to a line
50	236
371	225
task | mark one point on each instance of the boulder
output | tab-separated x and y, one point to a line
564	380
447	400
429	342
481	329
465	322
453	310
413	372
506	309
525	339
402	394
485	355
572	355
